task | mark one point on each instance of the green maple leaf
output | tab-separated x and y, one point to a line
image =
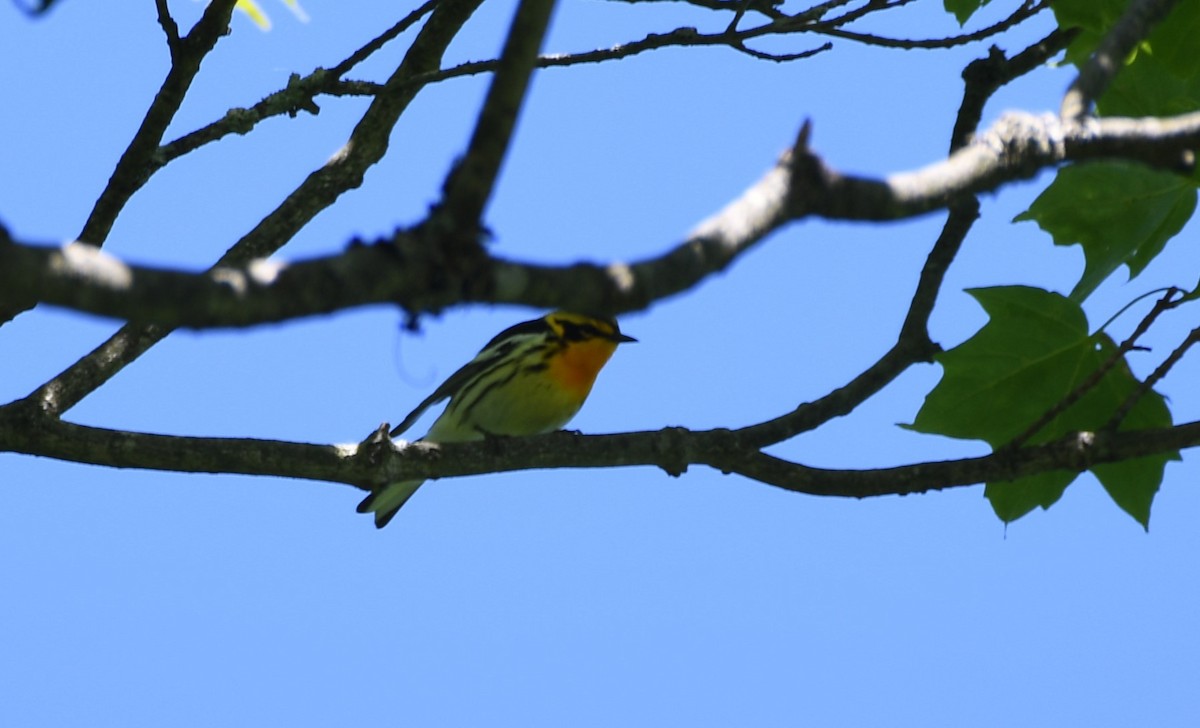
1161	77
963	9
1036	349
1120	213
1093	18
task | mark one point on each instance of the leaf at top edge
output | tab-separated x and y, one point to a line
962	10
1092	17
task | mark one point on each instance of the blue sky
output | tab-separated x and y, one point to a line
583	598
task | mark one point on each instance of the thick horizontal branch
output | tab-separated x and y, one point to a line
673	449
417	274
1076	453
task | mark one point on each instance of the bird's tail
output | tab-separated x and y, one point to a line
386	502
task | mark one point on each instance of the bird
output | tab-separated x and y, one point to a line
529	379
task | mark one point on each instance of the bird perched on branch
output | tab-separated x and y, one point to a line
530	379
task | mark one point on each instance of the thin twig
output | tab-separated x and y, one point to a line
782	57
169	26
301	91
1026	11
299	95
368	142
1143	387
867	8
682	37
369	49
1167	302
131	170
818	11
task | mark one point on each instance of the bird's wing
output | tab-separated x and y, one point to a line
483	361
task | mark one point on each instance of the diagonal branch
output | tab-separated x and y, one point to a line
299	94
131	171
169	26
985	76
367	144
137	162
1155	377
368	141
1167	302
470	183
1102	66
914	345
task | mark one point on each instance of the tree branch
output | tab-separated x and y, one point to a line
301	91
984	76
368	141
168	24
1155	377
367	144
133	169
300	94
914	344
470	184
1102	66
1076	452
1027	10
137	162
1167	302
420	277
687	36
369	48
673	449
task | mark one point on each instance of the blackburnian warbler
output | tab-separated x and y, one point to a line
531	379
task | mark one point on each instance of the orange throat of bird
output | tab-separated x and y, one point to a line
576	368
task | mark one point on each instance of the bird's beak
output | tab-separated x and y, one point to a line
623	339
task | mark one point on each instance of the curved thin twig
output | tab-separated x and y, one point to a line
1027	10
